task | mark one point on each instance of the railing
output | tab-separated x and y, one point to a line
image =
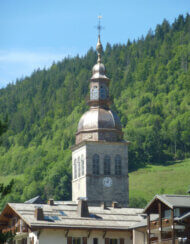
15	229
12	229
165	241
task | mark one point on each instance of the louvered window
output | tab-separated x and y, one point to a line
107	166
95	164
118	164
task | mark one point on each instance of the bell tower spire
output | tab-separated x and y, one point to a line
99	44
99	156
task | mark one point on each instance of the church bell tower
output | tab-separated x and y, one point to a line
100	155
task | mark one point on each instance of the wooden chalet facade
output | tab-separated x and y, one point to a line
168	221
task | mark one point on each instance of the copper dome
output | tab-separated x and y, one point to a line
99	118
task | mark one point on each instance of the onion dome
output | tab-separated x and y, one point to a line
99	118
98	71
99	124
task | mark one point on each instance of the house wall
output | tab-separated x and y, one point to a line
139	237
48	236
79	184
34	236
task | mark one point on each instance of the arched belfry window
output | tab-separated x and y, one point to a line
82	165
75	169
78	166
95	164
107	166
117	165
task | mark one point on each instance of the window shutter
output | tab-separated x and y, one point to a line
106	240
84	240
69	240
121	241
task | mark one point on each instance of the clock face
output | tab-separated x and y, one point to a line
107	182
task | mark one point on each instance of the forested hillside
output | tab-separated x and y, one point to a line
150	88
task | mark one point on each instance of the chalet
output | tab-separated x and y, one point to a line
168	221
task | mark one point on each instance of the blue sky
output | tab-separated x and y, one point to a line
35	33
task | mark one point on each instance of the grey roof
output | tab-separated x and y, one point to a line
36	199
187	215
143	223
64	215
172	201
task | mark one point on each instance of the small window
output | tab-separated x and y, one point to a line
76	240
95	240
107	166
113	241
75	169
117	165
78	166
167	213
95	164
176	212
82	165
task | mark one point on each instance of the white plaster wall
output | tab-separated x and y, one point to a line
58	236
33	234
139	237
79	184
52	237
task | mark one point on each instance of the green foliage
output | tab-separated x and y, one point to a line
150	87
4	190
6	237
137	202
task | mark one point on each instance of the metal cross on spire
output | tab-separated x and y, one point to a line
99	44
99	27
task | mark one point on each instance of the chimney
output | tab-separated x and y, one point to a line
39	214
103	205
51	202
82	209
115	205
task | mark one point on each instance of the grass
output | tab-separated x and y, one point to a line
172	178
6	179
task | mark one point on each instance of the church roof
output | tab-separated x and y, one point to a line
64	215
99	118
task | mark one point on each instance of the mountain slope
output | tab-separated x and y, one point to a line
150	87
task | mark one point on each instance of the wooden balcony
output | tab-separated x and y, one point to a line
165	223
165	241
15	229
